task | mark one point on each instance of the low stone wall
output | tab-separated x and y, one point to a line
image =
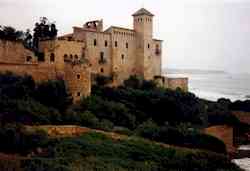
242	116
39	72
62	131
224	133
174	83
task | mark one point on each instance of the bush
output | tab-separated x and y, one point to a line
115	112
53	94
88	119
99	151
106	125
16	139
149	130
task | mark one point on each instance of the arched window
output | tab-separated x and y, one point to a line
78	94
116	43
28	59
106	43
65	57
78	76
76	57
71	56
123	58
102	70
102	56
95	42
127	45
52	57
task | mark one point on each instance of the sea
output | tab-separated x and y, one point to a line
213	85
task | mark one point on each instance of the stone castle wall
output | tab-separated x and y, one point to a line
123	55
75	73
13	52
174	83
116	52
78	80
38	72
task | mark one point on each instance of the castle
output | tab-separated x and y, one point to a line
78	57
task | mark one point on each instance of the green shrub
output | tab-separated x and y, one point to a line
106	125
16	139
53	94
88	119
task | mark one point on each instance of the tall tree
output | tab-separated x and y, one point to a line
44	30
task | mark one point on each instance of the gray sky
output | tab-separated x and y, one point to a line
201	34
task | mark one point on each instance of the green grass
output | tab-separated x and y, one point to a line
95	151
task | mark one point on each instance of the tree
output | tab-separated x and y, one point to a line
53	94
44	30
10	33
28	39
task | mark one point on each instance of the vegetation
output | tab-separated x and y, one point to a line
44	30
10	33
95	151
138	108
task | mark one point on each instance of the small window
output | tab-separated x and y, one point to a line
71	56
28	59
78	76
106	43
76	57
95	42
148	46
78	94
116	44
83	54
102	55
52	57
122	56
127	45
102	70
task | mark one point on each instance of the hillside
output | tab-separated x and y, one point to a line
137	109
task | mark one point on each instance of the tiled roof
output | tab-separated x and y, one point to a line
143	11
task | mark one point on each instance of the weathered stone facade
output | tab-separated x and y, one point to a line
115	52
121	52
76	73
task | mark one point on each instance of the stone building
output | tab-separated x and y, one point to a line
90	50
121	52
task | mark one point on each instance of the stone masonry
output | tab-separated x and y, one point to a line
115	52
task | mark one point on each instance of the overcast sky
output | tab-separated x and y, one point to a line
200	34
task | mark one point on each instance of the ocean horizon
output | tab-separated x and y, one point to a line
213	85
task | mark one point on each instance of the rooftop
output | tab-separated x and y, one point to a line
142	11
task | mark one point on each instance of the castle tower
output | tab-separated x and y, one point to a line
143	26
143	23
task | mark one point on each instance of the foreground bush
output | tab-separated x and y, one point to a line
188	138
16	139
